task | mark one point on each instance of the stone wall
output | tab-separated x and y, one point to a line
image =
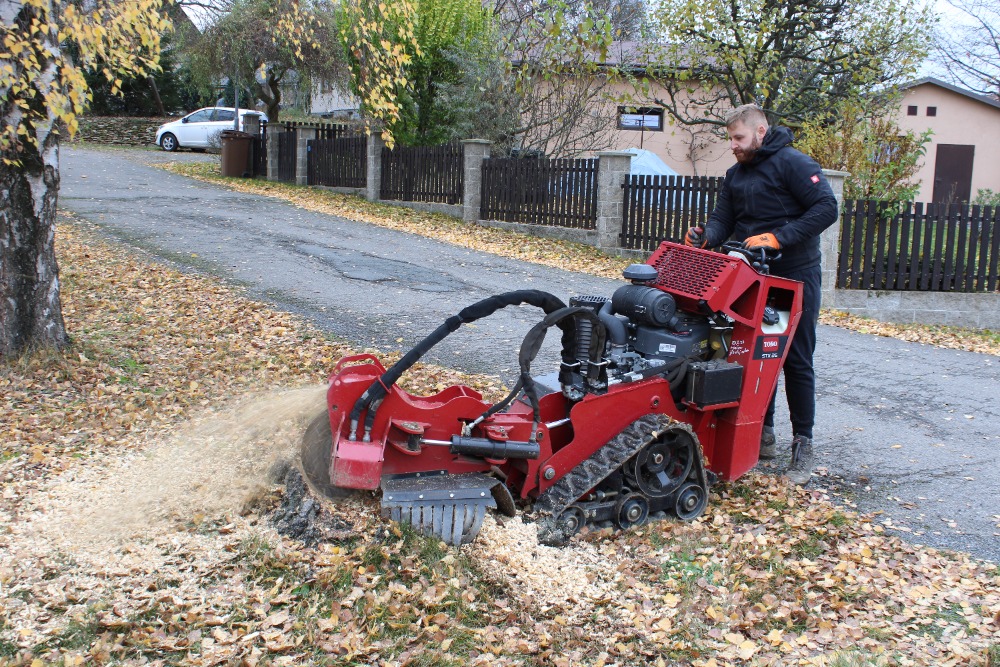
119	130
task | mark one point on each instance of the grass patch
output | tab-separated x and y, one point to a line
811	546
8	649
263	565
879	634
856	659
839	519
744	491
81	632
944	617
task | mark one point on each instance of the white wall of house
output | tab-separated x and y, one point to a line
959	119
327	99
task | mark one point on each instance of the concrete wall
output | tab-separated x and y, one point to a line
977	311
119	130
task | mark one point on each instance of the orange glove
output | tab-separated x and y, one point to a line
762	241
695	237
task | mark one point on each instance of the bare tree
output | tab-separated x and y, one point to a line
791	57
969	49
562	73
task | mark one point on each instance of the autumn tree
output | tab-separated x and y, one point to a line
248	44
42	91
792	57
379	41
862	138
442	28
564	75
968	48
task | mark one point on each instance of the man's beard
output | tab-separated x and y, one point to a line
744	156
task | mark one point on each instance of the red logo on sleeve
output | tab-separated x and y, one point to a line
814	178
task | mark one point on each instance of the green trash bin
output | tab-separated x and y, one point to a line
236	153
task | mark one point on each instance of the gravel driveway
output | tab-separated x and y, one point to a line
904	429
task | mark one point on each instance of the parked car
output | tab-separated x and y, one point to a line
201	128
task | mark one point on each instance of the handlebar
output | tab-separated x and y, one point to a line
759	257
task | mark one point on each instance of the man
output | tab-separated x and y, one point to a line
777	197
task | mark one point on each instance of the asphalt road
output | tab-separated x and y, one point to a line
903	429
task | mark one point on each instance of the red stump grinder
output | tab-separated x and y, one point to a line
661	390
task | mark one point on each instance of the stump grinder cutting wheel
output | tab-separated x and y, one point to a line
661	390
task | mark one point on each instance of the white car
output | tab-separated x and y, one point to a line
201	128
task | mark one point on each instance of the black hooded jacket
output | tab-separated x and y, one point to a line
781	191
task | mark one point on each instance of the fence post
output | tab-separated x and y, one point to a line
374	167
272	152
829	241
303	135
474	153
612	168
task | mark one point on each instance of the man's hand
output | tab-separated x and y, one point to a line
763	241
695	237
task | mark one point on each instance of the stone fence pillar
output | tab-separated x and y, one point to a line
612	168
302	135
272	152
474	153
829	240
374	167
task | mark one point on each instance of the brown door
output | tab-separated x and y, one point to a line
953	173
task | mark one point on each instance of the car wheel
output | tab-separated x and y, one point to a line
168	142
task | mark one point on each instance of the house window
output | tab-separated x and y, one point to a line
931	111
911	110
640	118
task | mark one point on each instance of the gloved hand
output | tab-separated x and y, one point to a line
762	241
695	237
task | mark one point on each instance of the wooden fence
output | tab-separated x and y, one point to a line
658	208
258	153
287	153
554	192
338	162
323	130
423	173
916	246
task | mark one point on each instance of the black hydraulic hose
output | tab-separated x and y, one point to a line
533	342
380	387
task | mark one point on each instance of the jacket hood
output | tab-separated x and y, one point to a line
775	139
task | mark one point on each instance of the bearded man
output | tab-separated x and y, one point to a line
777	197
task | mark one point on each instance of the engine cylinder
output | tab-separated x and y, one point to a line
644	305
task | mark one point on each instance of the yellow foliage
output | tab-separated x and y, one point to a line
123	35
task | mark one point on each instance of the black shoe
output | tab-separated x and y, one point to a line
768	446
801	466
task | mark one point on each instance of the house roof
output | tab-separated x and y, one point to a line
955	89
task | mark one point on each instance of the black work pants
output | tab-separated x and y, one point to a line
800	380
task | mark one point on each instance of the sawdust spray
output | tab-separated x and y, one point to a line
211	466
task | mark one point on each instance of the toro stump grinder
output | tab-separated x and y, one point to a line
662	390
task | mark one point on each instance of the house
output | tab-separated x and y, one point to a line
960	156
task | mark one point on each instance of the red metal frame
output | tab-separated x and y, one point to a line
700	281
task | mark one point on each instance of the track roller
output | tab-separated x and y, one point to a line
691	502
631	510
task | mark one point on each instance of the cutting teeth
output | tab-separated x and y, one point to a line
453	514
452	523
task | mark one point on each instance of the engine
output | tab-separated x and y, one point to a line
645	330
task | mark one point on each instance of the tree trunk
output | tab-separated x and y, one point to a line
30	311
156	96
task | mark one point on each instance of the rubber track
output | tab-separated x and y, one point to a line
592	472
